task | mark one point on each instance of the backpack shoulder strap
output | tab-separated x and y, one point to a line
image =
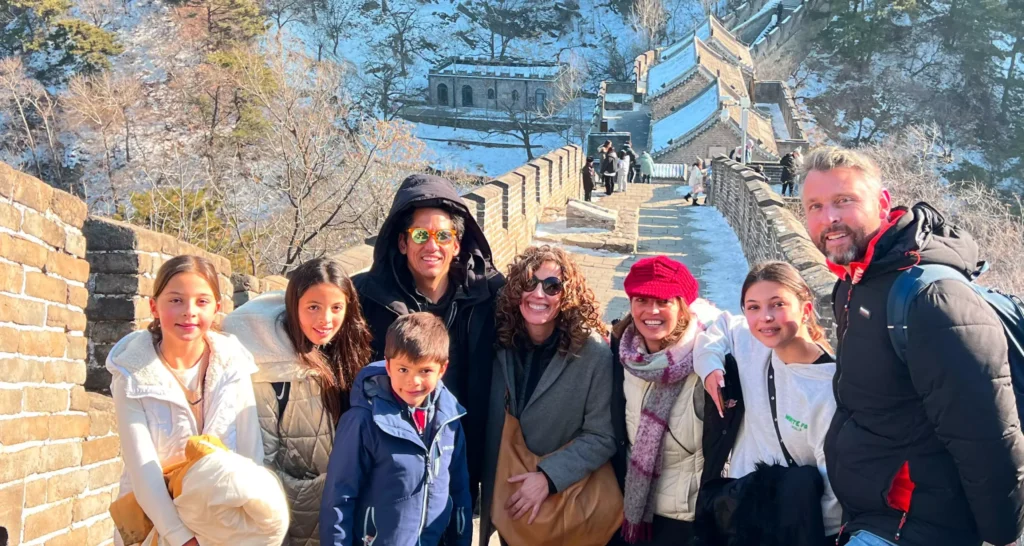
904	291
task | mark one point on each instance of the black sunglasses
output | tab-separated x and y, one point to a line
551	286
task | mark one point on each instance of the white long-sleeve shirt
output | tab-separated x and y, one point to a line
804	403
154	421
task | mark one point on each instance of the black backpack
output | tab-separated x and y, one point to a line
1009	309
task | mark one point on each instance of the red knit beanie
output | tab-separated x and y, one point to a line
662	278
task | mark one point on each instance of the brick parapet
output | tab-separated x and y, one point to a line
769	230
59	467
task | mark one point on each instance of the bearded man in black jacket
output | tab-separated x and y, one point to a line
926	452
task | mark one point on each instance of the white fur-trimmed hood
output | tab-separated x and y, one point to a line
259	326
135	358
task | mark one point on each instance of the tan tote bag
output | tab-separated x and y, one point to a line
587	513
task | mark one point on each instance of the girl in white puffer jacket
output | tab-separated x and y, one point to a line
174	380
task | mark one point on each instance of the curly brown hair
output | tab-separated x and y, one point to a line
578	314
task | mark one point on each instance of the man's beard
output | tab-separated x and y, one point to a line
854	250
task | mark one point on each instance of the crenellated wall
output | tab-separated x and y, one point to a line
768	229
59	464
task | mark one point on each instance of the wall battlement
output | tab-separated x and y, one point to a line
768	229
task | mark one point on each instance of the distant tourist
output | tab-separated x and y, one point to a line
926	446
431	255
608	169
589	177
646	167
627	151
790	163
623	168
695	179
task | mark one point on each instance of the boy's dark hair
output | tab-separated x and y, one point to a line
418	337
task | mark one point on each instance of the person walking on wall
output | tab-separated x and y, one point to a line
432	256
658	402
622	170
176	379
790	163
780	406
646	167
695	178
608	171
549	430
309	342
589	177
925	447
627	151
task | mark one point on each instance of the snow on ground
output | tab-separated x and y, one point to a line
468	149
774	111
722	276
559	227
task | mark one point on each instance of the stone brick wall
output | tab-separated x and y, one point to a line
768	229
59	463
503	87
719	139
124	261
663	105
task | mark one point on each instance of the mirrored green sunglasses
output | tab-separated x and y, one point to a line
441	236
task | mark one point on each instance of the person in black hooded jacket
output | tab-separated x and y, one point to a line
455	280
926	452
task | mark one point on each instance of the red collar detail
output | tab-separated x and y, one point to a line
857	268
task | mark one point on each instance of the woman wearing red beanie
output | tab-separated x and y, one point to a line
658	405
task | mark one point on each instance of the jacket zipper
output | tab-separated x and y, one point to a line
430	475
842	340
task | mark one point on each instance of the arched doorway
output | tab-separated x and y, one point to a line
467	95
515	96
442	94
541	98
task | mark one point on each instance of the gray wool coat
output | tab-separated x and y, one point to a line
570	404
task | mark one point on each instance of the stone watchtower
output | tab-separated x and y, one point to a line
472	82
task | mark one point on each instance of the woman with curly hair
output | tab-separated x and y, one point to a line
309	343
553	377
659	403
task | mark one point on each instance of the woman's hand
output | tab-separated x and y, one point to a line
714	383
531	495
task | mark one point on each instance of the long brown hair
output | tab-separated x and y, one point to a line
786	275
578	311
186	263
685	315
338	362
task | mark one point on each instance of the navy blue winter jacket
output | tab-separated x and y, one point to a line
384	485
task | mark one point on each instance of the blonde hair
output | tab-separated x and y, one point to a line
827	158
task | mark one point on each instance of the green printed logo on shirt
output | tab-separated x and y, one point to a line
796	424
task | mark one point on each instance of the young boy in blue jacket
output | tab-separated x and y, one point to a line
397	475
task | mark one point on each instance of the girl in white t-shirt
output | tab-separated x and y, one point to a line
785	373
178	379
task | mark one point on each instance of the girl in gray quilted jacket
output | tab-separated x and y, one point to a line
308	342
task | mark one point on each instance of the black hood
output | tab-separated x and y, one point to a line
922	236
469	270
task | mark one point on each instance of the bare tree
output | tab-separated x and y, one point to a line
322	176
568	108
105	103
35	108
100	13
649	18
